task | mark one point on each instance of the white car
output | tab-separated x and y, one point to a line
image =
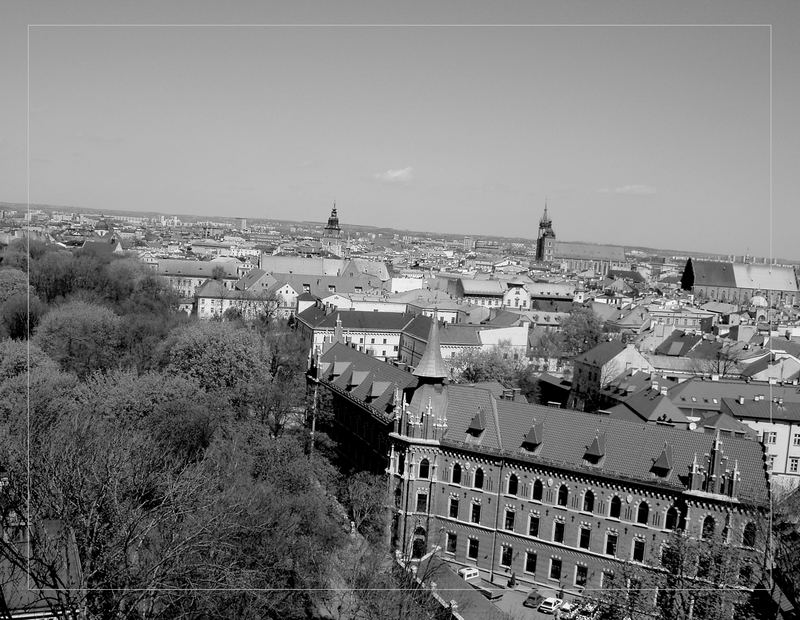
567	611
549	605
469	572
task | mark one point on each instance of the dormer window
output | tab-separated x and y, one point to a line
478	424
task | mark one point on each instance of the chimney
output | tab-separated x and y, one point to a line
741	400
664	391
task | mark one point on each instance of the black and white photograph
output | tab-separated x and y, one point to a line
399	310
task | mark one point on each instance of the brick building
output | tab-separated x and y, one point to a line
557	497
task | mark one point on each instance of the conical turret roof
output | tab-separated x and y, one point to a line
431	366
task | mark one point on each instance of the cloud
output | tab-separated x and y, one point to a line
401	175
630	190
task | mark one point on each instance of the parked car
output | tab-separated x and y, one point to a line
534	599
550	604
469	572
568	611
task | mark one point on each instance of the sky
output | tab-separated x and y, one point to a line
459	117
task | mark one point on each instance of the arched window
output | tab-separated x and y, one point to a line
708	527
588	501
643	513
456	477
424	468
749	535
672	518
478	478
563	495
513	484
616	507
538	489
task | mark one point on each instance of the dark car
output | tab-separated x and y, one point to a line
534	599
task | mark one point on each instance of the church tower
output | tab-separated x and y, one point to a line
546	240
332	235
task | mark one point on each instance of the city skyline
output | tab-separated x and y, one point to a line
635	135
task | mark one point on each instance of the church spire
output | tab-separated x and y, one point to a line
431	366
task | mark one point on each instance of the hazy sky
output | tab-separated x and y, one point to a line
644	135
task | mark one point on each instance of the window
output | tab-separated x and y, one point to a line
476	513
638	550
643	513
452	541
745	574
703	566
588	501
770	437
555	568
672	518
424	469
585	537
478	478
509	521
794	464
611	544
372	340
384	341
456	477
563	495
616	507
533	526
749	535
530	562
581	573
422	502
770	461
796	439
538	489
513	484
708	528
454	508
472	549
606	579
558	532
505	555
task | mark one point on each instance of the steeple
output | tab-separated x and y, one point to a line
332	228
431	366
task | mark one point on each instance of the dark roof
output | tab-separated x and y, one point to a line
762	410
697	393
678	344
602	353
341	364
630	451
650	406
712	273
450	333
366	320
312	316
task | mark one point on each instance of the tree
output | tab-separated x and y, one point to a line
580	331
219	356
51	275
364	496
500	363
12	282
21	314
687	578
17	357
81	337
